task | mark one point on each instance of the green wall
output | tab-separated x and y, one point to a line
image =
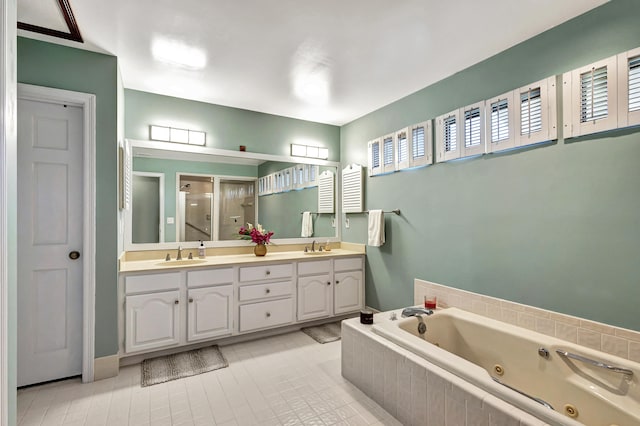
50	65
555	226
171	167
226	127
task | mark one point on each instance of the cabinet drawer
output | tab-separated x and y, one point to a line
315	267
263	291
209	277
151	283
266	314
267	272
349	264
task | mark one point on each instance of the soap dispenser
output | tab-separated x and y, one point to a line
201	250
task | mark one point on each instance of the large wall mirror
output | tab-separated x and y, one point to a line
183	194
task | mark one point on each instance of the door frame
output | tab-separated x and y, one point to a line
87	102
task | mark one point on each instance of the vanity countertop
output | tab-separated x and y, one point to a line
232	259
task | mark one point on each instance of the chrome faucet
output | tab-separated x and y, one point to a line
313	246
179	253
412	312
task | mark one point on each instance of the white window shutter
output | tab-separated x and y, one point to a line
420	144
629	88
388	153
352	200
472	125
375	157
535	112
448	136
401	141
500	122
326	191
313	175
593	98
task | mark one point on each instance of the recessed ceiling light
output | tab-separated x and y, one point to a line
175	52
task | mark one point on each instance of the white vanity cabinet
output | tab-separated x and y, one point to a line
209	303
265	296
349	285
315	289
152	311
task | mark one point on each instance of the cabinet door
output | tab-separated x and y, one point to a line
348	292
315	297
209	312
152	320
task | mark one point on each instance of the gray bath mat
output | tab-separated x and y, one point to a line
184	364
324	333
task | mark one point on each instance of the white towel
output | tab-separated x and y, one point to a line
376	228
307	225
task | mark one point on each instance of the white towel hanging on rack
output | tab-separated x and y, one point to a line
376	228
307	225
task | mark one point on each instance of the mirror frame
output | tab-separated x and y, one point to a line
130	144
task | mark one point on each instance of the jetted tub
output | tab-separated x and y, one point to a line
559	388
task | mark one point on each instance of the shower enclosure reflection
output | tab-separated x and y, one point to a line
195	207
237	206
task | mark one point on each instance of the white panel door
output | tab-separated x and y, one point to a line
315	297
50	221
152	320
210	312
348	292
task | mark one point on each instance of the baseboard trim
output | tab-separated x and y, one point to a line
105	367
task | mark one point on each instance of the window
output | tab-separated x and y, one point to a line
535	117
402	149
447	144
500	123
375	164
473	130
629	88
421	144
388	154
590	104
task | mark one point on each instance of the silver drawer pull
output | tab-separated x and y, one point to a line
267	291
268	314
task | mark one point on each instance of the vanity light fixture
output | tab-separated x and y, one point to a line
170	134
308	151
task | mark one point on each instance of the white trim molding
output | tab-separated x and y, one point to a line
8	138
88	104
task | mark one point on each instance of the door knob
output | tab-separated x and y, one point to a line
73	255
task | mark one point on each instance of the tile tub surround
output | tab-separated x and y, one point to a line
602	337
415	391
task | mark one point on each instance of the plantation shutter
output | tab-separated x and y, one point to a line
472	128
388	157
530	111
499	120
594	95
402	149
375	164
450	134
417	143
634	84
421	144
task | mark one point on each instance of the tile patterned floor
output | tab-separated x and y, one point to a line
282	380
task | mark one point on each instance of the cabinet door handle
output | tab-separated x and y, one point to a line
268	314
267	291
268	272
337	282
176	302
328	282
191	300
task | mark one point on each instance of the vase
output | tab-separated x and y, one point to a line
260	249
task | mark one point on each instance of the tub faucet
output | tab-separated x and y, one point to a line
179	253
412	312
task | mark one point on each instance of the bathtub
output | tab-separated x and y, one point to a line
533	375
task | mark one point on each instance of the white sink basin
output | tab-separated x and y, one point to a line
183	262
316	253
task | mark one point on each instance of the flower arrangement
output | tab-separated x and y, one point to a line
257	234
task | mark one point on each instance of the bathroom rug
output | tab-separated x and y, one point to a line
324	333
184	364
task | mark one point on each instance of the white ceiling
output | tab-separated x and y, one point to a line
330	61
